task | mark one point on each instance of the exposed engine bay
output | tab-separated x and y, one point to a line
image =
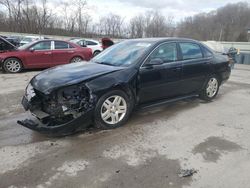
61	106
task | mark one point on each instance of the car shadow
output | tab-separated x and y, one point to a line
150	115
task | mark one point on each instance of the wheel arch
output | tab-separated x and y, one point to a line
218	75
97	50
21	61
77	55
127	90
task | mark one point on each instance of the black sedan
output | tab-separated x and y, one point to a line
131	74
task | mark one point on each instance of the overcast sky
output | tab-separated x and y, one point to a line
176	8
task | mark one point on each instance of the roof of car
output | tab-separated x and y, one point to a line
31	37
79	39
163	39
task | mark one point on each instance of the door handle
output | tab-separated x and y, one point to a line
70	52
47	53
176	69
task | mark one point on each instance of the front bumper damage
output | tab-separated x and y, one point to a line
68	128
64	115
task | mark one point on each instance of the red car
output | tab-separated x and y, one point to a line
106	42
43	54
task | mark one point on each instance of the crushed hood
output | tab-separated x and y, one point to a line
69	74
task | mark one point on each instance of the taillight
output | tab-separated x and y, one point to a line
90	53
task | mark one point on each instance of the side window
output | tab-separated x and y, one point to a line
206	52
61	45
166	52
70	46
90	43
42	46
82	43
190	51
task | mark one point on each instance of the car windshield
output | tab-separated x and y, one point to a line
122	54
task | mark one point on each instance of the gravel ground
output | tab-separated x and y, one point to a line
151	150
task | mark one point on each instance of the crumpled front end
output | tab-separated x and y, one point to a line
62	112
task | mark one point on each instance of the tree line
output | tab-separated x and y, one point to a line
228	23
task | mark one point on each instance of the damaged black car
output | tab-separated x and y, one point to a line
131	74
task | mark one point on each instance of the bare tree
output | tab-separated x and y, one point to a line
43	16
151	24
69	19
137	26
80	4
111	25
228	23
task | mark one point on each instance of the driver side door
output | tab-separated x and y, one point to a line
39	55
160	81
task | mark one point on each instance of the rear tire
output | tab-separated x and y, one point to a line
211	89
76	59
112	110
96	53
12	65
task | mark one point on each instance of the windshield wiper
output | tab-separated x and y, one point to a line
104	63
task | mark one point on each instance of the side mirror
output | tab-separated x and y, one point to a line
156	61
32	49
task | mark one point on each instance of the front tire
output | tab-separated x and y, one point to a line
12	65
211	89
112	110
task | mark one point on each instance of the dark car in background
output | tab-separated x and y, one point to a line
6	45
131	74
43	54
15	40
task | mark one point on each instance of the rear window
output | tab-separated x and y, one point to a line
190	51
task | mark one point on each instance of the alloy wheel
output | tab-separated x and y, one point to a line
212	87
113	109
13	66
76	59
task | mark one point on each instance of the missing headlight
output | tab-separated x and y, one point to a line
62	105
73	100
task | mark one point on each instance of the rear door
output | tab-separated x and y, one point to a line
160	81
39	55
63	52
196	67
